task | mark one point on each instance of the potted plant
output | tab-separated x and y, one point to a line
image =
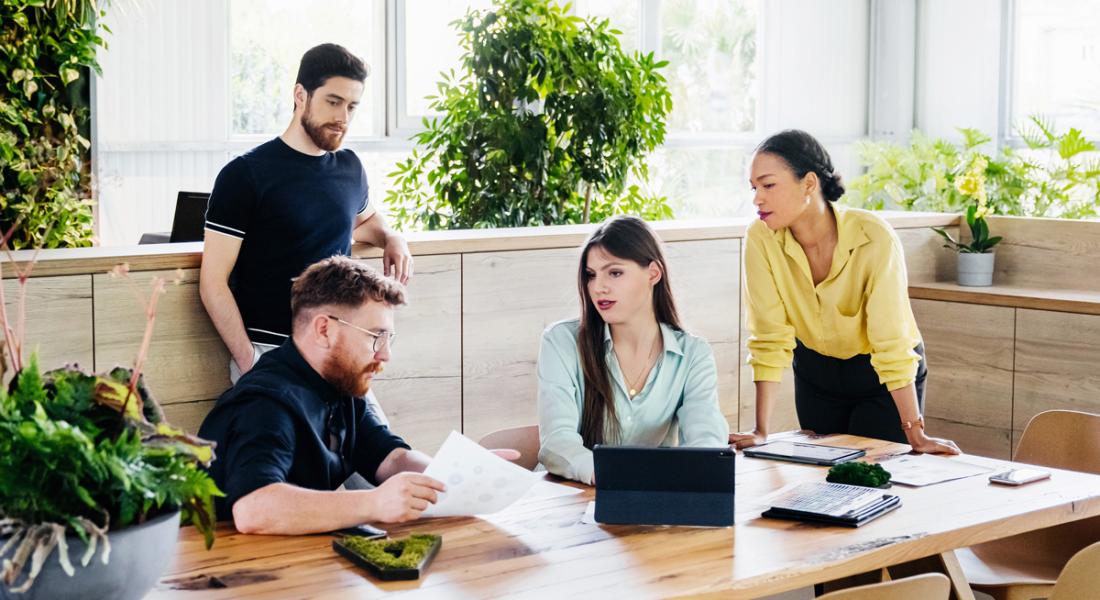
544	122
93	480
976	257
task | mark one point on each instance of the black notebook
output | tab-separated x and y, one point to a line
833	503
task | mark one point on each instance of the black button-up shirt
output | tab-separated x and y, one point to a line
283	423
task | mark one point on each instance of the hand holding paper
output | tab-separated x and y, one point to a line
478	481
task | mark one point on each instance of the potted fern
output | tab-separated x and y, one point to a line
93	480
976	257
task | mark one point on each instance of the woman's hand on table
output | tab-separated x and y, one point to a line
930	445
747	439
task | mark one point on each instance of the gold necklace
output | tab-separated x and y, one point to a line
633	391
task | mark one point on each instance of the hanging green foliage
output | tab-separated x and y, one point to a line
47	49
544	123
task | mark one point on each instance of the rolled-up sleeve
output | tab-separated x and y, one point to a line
771	334
702	423
890	334
561	448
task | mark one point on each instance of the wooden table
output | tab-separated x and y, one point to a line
540	548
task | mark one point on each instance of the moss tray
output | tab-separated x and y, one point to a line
389	559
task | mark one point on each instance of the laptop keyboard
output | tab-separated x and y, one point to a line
833	499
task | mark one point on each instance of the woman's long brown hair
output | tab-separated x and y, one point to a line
625	238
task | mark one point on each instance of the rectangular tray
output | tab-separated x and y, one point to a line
388	574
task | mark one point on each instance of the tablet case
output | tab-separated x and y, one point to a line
664	486
867	514
761	452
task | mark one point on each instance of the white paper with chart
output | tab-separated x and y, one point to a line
478	481
926	469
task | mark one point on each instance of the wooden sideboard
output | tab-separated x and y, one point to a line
479	300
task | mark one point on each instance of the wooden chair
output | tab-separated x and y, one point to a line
1026	566
525	439
930	586
1080	580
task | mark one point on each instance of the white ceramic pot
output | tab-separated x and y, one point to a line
975	269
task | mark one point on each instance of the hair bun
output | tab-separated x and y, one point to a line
832	187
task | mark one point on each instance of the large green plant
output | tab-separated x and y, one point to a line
1055	175
85	454
46	49
543	124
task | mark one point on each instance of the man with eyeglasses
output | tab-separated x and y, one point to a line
297	425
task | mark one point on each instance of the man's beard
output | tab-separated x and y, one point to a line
322	137
345	374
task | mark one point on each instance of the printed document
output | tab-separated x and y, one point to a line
478	481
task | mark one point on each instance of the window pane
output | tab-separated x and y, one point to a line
1057	62
702	182
267	40
431	47
624	15
711	48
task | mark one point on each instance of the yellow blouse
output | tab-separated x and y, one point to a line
861	307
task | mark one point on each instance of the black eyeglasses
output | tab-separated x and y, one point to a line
381	339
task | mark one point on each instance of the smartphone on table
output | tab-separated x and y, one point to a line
1019	476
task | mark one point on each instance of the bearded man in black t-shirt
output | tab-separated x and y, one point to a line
286	204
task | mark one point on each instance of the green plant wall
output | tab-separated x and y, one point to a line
47	51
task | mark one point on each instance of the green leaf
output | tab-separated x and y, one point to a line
27	179
973	138
1073	143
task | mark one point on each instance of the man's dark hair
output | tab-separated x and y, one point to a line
329	60
341	281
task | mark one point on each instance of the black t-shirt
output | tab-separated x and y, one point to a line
283	423
290	210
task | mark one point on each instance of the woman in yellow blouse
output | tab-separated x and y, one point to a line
826	291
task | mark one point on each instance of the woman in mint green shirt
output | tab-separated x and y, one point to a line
625	372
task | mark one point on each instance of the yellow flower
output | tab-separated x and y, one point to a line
972	182
969	185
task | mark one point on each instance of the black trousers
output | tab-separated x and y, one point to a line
835	395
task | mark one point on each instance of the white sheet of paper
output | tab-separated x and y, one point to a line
478	481
589	516
926	469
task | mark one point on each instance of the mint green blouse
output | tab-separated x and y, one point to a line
678	404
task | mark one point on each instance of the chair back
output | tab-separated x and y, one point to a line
1063	439
525	439
930	586
1080	578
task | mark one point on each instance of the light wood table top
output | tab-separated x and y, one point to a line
540	548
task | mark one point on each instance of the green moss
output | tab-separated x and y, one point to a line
859	473
392	554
